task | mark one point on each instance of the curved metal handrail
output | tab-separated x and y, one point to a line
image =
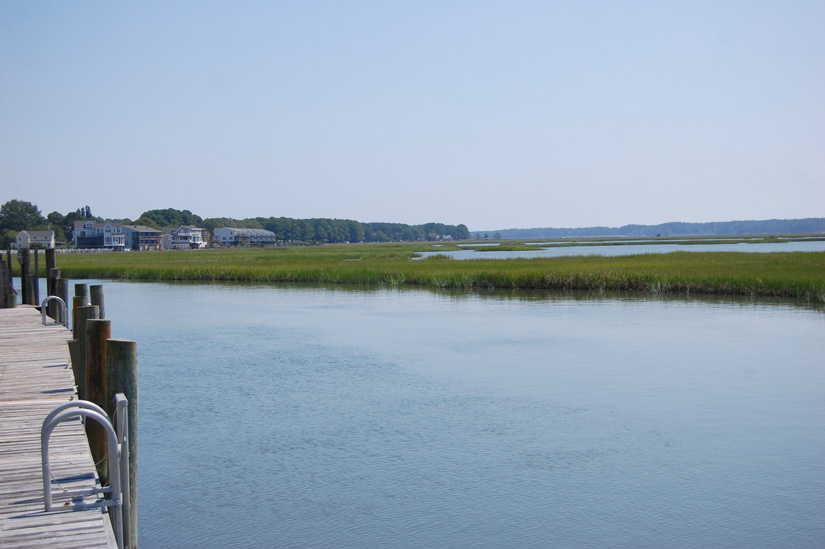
61	308
86	409
74	404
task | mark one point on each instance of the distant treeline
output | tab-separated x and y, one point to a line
323	230
317	230
767	227
19	215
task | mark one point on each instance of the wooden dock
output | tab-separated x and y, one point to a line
35	377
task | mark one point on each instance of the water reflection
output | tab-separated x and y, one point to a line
332	417
617	250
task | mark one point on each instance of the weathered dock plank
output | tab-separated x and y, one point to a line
35	377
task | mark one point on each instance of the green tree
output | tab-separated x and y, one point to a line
55	222
68	223
321	233
213	223
251	223
18	215
55	218
7	238
356	231
169	217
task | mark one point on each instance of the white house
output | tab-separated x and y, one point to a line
230	236
27	239
185	237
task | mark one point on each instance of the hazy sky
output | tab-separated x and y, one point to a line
492	114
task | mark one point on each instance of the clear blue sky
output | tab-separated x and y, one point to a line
492	114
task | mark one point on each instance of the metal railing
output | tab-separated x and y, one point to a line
62	313
117	456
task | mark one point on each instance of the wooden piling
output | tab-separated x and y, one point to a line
51	263
81	289
52	290
10	299
122	377
96	296
36	277
97	332
77	303
3	284
25	271
63	292
31	287
83	314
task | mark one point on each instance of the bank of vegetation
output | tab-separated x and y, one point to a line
18	215
796	275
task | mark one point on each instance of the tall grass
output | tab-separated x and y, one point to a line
798	275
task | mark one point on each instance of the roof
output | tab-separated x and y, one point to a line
250	232
96	224
38	234
170	230
141	228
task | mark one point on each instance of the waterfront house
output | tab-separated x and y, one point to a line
92	234
231	236
141	237
185	237
30	239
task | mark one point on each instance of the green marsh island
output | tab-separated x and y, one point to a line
796	275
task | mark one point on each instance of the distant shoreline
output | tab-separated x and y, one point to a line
811	225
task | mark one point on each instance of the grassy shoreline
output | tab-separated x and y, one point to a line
796	275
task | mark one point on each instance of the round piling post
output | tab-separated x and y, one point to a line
36	277
7	291
52	289
50	259
63	292
2	283
77	303
9	296
5	284
30	295
96	296
97	332
25	271
81	289
122	377
8	261
83	314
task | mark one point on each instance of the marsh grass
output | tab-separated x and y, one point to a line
797	275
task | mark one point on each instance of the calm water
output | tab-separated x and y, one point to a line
634	249
275	417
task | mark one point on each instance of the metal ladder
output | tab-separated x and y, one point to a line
118	460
